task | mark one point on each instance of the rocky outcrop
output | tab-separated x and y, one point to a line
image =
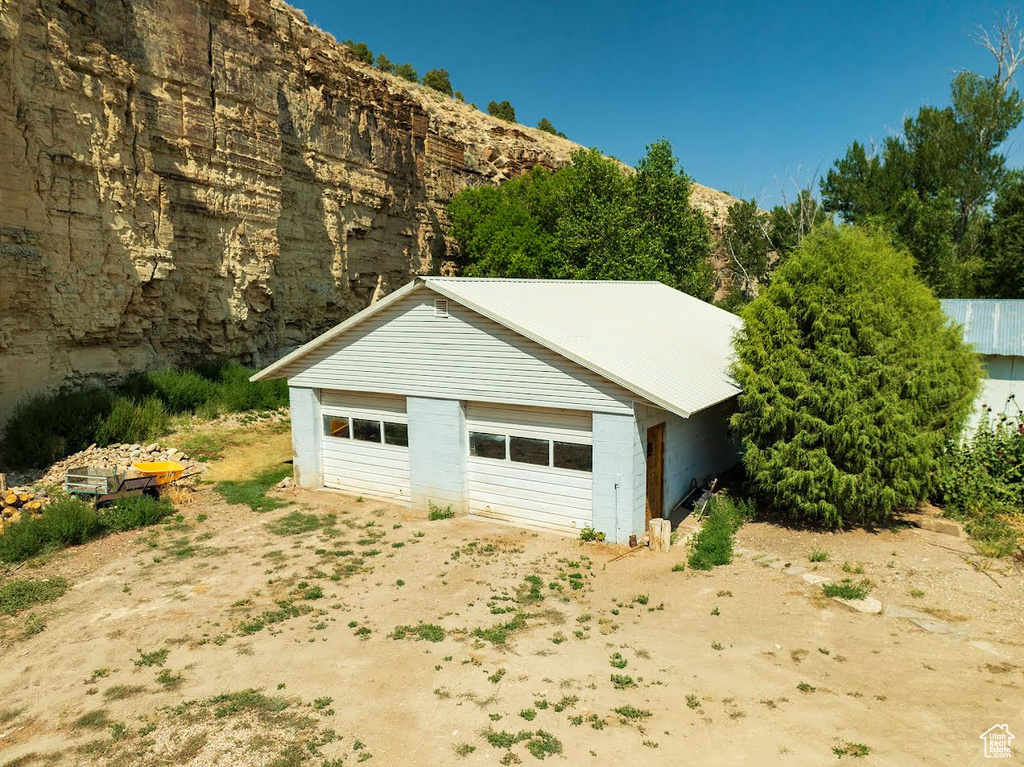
196	178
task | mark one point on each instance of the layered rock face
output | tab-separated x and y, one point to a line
184	179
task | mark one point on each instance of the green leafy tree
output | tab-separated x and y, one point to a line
439	80
459	97
931	187
406	72
852	381
361	50
546	126
746	240
590	220
384	64
503	110
1003	270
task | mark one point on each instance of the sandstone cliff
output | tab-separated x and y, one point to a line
195	178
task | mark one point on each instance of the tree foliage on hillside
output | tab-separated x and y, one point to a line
852	381
361	50
439	80
546	126
931	187
406	72
590	220
503	110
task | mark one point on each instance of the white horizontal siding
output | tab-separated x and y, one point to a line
366	468
387	407
545	423
517	492
405	349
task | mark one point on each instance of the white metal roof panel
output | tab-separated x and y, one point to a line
992	326
667	347
670	348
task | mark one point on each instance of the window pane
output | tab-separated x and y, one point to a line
336	426
368	431
487	445
396	433
528	450
569	455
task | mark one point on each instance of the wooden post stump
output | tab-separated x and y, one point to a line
660	534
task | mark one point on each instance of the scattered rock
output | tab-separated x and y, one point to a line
814	579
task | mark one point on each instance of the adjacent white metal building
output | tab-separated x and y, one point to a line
550	404
995	327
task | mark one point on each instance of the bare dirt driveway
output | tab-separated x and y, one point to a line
332	631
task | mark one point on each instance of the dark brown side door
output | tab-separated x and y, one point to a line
655	470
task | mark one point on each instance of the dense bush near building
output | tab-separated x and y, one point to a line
852	381
713	544
48	427
981	482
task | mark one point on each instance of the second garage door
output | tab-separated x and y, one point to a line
531	466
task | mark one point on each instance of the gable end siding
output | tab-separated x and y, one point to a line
406	350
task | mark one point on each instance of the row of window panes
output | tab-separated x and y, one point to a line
539	452
366	430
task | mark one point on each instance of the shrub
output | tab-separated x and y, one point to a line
851	379
503	110
439	80
360	50
546	126
131	421
182	391
712	545
590	534
20	541
135	511
48	427
384	64
406	72
67	522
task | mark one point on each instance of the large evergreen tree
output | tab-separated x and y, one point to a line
852	381
591	220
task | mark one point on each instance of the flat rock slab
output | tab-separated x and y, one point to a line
814	579
937	524
777	565
935	626
868	605
795	570
895	611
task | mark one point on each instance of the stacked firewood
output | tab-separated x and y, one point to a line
18	503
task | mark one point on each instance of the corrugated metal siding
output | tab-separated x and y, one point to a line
992	326
537	496
365	468
669	347
404	349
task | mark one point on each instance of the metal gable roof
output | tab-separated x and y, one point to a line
992	326
664	345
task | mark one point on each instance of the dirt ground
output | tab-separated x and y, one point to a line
745	664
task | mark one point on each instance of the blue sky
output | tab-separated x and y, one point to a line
748	93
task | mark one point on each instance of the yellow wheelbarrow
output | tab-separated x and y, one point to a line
163	472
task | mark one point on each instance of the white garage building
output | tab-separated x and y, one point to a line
550	404
995	328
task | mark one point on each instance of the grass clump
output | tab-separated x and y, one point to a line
429	632
818	555
297	523
437	512
855	750
629	713
253	492
713	543
20	594
622	681
499	633
154	658
590	534
848	589
246	701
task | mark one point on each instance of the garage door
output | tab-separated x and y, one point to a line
366	444
531	466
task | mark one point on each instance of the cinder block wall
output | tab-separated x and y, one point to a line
437	453
307	433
